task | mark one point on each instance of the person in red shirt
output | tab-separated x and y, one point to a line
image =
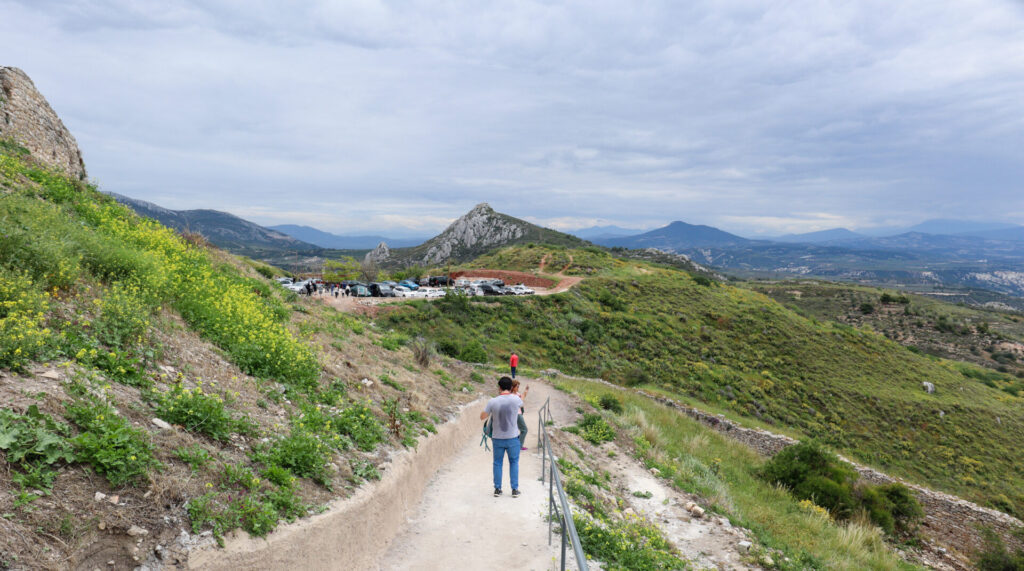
513	362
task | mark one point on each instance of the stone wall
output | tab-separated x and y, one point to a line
952	524
26	117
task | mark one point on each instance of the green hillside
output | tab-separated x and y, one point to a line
113	328
740	351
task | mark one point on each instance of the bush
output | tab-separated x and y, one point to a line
867	308
22	332
109	444
302	454
198	412
595	429
996	557
611	402
422	350
812	473
473	352
449	347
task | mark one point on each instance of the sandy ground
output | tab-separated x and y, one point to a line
460	525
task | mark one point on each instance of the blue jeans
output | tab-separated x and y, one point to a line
510	445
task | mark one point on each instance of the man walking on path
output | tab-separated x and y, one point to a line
504	410
513	362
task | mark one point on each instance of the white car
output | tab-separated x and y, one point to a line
432	292
520	289
402	291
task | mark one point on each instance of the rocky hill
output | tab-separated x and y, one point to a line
27	118
480	230
222	229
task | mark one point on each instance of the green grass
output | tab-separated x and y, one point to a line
738	350
724	472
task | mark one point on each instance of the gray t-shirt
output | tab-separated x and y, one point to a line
504	410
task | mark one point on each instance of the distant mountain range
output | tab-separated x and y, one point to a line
674	237
987	256
342	242
222	229
604	232
832	235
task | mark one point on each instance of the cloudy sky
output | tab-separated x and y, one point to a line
397	117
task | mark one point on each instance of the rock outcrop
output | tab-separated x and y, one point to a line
379	254
478	229
27	118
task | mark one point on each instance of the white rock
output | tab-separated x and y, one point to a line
51	374
367	382
745	545
136	531
161	424
99	497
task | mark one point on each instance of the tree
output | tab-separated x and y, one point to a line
369	271
342	269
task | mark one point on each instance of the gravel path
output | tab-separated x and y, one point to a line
460	525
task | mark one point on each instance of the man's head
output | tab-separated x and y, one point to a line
505	383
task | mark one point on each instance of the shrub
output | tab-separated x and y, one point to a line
195	456
448	347
22	309
302	454
996	557
198	412
595	429
359	423
473	352
392	341
611	402
867	308
422	350
109	444
814	474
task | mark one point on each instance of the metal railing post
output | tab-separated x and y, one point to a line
559	508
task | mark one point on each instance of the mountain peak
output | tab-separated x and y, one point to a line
478	231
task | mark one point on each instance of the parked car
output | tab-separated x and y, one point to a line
381	290
402	291
461	282
436	281
285	280
520	289
432	292
489	289
409	284
360	291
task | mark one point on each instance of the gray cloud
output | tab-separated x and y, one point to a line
358	116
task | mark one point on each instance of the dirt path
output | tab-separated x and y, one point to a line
459	524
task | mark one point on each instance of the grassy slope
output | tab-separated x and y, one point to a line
854	389
267	386
699	460
959	332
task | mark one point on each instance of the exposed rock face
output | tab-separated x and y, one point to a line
479	229
378	254
26	117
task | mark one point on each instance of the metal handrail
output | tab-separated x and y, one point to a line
561	508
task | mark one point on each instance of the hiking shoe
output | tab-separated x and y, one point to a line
523	448
497	492
515	493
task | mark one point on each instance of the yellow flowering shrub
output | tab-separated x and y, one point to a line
23	308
